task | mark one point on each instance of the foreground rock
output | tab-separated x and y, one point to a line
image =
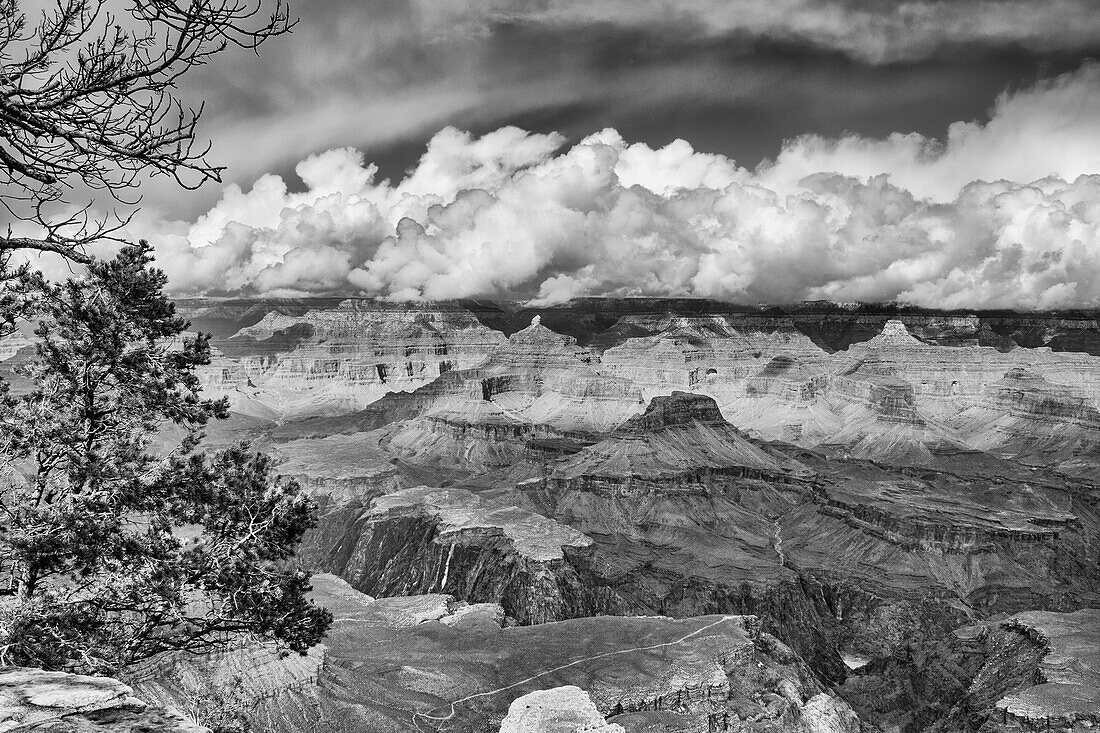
220	688
558	710
55	702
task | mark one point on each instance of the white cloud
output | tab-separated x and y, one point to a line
1051	129
507	215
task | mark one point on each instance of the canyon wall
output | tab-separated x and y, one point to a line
862	481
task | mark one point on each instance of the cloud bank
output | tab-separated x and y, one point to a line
1005	214
733	76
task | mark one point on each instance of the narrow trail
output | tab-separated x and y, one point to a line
777	537
442	719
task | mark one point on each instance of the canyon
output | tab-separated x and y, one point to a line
672	515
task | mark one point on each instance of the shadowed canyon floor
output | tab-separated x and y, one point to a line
660	515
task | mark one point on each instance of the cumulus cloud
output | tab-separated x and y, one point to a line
1005	214
1052	129
386	75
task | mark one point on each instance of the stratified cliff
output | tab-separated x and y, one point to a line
425	540
878	382
863	480
333	361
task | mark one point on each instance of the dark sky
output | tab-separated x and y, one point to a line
944	153
383	76
744	99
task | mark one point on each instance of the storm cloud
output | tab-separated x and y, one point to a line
1005	214
735	77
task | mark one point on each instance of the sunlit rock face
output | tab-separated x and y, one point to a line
1025	416
939	377
566	709
946	378
543	377
341	359
897	397
680	436
33	699
338	469
890	398
1028	396
708	354
1067	693
537	385
1022	402
788	379
857	380
21	339
225	681
785	400
879	417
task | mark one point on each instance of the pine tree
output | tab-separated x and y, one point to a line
113	551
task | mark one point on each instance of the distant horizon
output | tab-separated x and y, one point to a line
520	305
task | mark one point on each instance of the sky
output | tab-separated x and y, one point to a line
942	153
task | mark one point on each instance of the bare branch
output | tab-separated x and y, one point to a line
89	99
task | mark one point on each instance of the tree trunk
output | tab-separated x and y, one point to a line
27	581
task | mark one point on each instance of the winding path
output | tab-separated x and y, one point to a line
442	719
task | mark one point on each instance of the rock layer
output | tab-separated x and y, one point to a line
876	476
55	702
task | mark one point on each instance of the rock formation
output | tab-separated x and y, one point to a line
338	360
883	384
1063	692
423	540
55	702
523	490
682	436
566	709
1035	670
425	663
538	385
1024	416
